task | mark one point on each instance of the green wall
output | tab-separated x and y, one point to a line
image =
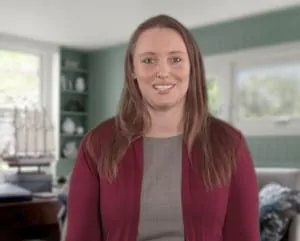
106	73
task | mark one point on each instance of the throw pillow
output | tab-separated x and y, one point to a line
278	206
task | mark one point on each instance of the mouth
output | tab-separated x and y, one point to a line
163	87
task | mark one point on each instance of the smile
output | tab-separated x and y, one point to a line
163	87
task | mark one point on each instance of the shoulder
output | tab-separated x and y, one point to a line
101	131
96	137
229	140
224	133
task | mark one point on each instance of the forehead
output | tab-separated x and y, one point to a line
159	40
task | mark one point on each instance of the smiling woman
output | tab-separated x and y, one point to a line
161	67
163	168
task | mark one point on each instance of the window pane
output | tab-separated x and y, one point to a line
19	87
213	89
269	91
19	79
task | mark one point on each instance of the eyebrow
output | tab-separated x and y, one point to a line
170	52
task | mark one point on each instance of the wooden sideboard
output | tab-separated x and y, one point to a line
36	219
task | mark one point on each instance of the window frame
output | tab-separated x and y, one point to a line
228	64
215	67
49	76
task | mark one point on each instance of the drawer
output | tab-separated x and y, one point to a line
22	215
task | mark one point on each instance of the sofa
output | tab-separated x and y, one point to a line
284	176
288	177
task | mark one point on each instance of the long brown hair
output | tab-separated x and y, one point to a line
214	139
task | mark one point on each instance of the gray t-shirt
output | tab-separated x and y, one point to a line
161	209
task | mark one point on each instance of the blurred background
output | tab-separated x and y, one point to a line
61	73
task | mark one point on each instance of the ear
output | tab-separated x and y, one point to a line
133	75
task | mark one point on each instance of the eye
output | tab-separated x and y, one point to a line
176	59
148	61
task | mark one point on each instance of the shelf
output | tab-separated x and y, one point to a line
73	92
66	69
72	103
73	113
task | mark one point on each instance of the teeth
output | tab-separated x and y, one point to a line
162	87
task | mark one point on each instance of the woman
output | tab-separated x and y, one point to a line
163	168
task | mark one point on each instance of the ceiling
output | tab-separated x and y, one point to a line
91	24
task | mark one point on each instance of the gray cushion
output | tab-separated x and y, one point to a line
289	177
278	206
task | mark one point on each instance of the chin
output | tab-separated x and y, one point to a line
163	106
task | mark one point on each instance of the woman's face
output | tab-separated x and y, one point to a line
162	68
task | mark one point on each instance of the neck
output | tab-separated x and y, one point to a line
166	123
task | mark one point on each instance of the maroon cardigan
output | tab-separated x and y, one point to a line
98	210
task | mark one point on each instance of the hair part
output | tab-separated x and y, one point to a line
214	139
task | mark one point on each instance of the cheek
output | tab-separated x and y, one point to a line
144	84
144	76
144	80
183	87
183	76
144	71
182	68
182	73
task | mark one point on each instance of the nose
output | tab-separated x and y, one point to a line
162	70
162	75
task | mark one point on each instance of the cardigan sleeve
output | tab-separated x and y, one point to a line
242	217
83	201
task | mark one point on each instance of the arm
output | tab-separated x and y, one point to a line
83	202
242	218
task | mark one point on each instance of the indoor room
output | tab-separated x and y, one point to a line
63	72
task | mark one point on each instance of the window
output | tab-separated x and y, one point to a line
19	87
261	89
217	87
213	89
20	81
268	97
27	81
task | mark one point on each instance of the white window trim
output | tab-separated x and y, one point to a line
224	74
50	59
226	65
